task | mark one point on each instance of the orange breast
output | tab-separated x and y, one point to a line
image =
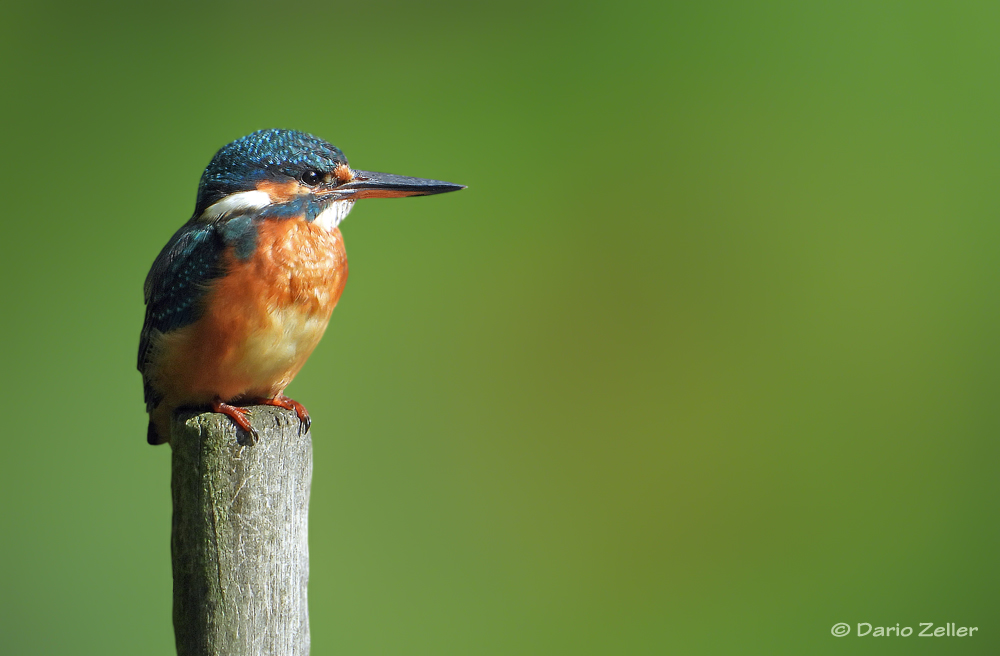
261	320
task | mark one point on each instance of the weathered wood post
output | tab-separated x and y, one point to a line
240	535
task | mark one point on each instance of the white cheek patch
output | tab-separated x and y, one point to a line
235	204
331	217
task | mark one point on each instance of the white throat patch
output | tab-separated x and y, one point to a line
331	217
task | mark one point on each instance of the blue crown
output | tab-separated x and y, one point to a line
238	166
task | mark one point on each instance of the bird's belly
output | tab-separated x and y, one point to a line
261	320
269	354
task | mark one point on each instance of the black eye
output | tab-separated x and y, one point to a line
311	177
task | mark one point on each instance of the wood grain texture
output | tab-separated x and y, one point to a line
240	535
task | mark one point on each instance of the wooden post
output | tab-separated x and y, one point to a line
240	535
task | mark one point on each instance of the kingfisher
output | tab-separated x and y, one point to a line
241	294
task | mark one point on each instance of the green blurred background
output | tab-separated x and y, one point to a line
705	360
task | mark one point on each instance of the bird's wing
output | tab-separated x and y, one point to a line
176	283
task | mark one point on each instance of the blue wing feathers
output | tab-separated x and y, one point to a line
180	276
175	285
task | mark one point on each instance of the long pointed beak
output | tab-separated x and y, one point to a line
368	184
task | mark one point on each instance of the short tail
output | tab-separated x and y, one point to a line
153	436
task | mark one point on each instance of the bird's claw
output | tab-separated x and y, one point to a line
282	401
240	417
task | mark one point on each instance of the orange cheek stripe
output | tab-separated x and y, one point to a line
281	192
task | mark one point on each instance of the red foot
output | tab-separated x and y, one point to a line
283	401
240	416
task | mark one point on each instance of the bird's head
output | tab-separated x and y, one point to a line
290	173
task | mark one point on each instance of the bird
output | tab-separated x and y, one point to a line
239	297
